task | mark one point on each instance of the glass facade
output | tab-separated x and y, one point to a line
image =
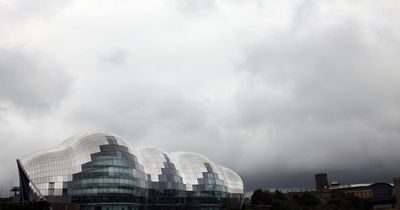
103	171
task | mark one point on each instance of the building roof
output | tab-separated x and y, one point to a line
360	185
60	163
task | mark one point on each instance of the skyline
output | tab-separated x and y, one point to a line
282	90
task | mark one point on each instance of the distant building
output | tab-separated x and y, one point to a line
357	190
396	182
380	195
321	182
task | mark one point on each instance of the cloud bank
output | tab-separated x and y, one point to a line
277	91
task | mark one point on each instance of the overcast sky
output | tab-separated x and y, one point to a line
276	90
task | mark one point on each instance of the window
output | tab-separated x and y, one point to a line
51	188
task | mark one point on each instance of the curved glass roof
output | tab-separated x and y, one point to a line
186	170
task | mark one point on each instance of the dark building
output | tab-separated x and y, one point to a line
396	183
379	195
321	182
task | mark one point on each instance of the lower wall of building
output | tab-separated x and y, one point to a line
65	206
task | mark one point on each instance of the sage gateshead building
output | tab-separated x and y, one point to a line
103	171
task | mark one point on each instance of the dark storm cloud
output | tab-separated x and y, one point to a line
336	105
30	82
304	179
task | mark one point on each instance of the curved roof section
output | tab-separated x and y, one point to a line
361	185
72	152
60	163
233	181
153	160
192	165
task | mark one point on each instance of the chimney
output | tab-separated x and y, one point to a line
321	183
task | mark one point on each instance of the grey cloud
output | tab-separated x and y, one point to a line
22	10
196	7
333	104
304	180
118	56
280	91
30	82
146	114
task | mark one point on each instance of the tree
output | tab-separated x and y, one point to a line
267	197
340	201
287	204
279	196
306	199
256	198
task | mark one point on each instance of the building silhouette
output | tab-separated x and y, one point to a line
321	182
380	195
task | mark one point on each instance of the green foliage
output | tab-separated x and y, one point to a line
339	201
278	195
256	198
305	201
267	197
286	204
261	197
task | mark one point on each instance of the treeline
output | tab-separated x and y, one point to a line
304	201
